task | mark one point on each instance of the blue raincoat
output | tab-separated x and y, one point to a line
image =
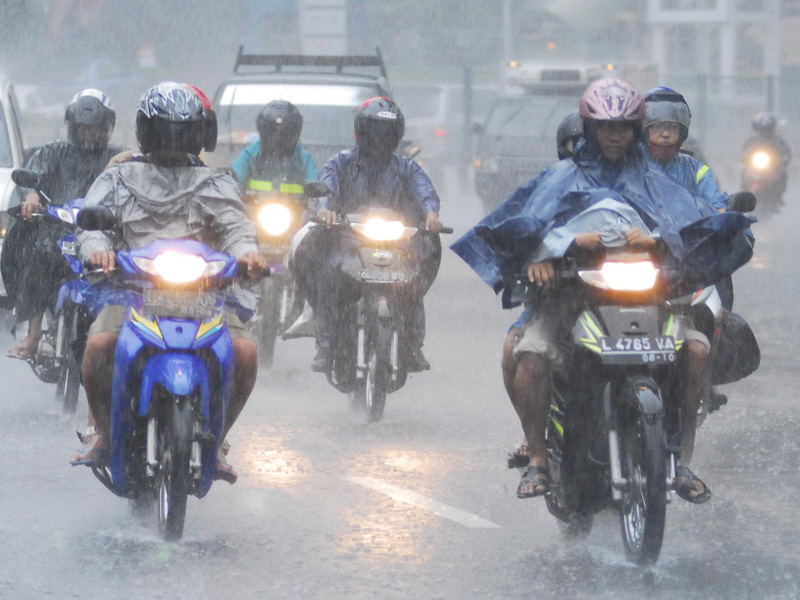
690	173
503	243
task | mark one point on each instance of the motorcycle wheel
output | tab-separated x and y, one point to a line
268	326
175	442
644	504
68	385
379	371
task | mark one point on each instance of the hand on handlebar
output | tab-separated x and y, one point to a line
541	273
255	263
432	222
328	217
637	237
104	259
32	204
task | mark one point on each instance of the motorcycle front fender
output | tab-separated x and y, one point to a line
180	374
644	396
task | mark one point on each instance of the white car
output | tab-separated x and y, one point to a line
11	155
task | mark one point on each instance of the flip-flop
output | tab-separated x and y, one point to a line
225	472
99	461
530	476
686	488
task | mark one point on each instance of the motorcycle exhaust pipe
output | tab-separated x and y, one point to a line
152	463
60	337
284	305
360	353
195	460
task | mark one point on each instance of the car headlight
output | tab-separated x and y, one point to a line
487	165
761	160
623	276
65	215
177	267
275	219
380	230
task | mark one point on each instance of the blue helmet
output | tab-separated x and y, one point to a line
665	104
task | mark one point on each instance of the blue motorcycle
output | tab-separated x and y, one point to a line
173	372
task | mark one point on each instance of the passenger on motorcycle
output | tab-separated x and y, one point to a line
371	174
166	193
569	133
277	162
612	113
32	262
766	136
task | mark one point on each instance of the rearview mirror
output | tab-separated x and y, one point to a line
316	189
25	178
96	218
742	202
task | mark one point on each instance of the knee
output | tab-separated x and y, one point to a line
507	361
245	353
532	366
100	346
698	353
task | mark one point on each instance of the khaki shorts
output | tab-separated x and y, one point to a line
112	317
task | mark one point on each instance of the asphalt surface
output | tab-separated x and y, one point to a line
420	505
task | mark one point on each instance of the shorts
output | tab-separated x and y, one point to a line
112	317
691	334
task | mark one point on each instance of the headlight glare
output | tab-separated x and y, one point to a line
275	219
761	160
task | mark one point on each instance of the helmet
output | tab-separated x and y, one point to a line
90	109
764	123
379	127
279	125
612	100
209	116
170	117
570	131
664	104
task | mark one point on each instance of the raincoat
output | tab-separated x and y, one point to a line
153	202
32	264
300	168
504	242
690	173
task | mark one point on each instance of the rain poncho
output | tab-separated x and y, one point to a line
504	242
399	184
299	168
690	173
153	202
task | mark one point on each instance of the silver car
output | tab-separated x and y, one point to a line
11	155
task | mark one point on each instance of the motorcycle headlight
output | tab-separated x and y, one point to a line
623	276
275	219
65	215
177	267
761	160
380	230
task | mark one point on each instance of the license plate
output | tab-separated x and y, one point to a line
180	304
68	248
382	276
639	350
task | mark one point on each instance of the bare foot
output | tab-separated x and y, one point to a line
225	472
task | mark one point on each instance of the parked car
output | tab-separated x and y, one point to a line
11	155
517	142
41	111
328	91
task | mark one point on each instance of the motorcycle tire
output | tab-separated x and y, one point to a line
68	386
268	326
644	505
174	480
379	373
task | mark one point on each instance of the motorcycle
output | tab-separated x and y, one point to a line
613	429
278	214
764	174
58	356
368	357
173	371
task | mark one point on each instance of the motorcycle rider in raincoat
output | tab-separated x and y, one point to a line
371	174
166	193
32	262
765	125
692	236
277	162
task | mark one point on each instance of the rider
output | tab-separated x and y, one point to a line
765	126
277	160
569	133
612	113
166	193
371	174
32	262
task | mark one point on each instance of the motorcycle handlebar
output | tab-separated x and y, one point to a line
319	221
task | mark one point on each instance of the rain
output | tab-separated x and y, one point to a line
338	496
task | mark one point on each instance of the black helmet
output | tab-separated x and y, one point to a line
279	125
569	133
171	117
764	123
379	126
665	104
90	109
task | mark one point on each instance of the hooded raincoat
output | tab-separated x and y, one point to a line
690	173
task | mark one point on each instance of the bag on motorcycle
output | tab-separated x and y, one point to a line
737	354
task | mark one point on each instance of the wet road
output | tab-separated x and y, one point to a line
420	505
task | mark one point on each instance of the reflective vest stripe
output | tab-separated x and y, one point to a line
291	188
267	186
260	186
701	172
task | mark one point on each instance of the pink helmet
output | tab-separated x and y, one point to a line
612	100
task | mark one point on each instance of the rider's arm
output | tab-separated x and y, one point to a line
102	193
422	189
708	189
232	227
309	165
243	166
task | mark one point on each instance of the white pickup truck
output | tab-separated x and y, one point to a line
11	155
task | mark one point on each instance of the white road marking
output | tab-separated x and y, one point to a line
414	499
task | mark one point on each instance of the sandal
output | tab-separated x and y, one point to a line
94	457
685	489
539	477
225	472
